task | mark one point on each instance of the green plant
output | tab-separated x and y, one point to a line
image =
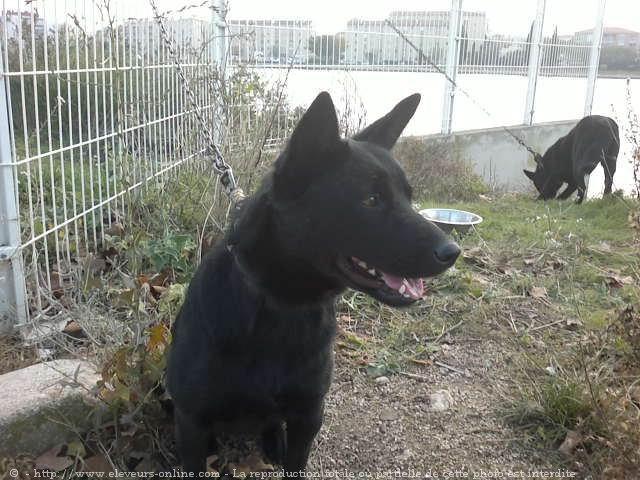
436	174
173	251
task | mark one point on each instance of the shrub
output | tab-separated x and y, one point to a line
435	174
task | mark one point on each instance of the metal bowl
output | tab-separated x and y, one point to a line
449	219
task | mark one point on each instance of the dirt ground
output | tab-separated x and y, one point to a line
388	428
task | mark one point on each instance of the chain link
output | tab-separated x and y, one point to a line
422	57
221	166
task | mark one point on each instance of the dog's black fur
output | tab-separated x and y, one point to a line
595	139
253	343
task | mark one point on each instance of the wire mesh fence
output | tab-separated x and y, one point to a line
373	44
93	111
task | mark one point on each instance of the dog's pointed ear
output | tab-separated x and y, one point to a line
314	142
318	127
386	130
529	174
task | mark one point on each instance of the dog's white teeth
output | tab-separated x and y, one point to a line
372	271
402	289
362	264
406	296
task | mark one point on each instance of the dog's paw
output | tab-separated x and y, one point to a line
274	443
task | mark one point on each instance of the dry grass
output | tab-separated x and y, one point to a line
14	354
435	173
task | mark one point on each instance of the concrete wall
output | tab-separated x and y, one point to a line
496	156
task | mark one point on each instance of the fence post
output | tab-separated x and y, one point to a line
12	293
220	57
453	58
594	58
534	62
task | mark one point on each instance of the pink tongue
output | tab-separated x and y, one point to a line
413	286
392	281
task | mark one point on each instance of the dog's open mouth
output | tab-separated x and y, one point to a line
382	285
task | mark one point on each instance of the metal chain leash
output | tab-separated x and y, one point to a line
220	165
424	57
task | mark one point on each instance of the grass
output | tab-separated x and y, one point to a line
545	282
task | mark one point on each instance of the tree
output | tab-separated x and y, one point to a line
613	57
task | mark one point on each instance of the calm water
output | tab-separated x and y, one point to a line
502	95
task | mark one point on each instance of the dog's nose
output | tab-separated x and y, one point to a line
447	253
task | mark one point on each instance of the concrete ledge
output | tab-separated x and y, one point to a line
496	156
41	405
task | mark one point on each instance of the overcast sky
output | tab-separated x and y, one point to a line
504	16
331	16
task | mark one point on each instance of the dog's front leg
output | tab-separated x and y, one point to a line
302	427
274	442
192	440
568	191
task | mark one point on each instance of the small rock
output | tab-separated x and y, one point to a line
571	441
440	401
382	380
405	455
389	415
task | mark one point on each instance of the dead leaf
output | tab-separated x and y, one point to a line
425	363
618	281
538	292
573	323
54	460
507	270
57	288
253	463
157	290
73	329
147	465
158	336
116	229
571	441
97	463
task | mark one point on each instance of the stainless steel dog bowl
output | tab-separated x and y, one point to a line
449	219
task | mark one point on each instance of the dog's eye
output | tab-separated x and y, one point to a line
372	200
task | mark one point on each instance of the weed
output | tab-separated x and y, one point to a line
435	174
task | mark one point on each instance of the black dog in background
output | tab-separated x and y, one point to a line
253	344
595	139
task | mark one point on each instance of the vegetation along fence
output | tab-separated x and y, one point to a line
93	112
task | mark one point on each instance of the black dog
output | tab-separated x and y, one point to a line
595	139
253	343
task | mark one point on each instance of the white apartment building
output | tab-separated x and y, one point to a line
375	42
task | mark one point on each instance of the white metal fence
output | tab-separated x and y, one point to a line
91	108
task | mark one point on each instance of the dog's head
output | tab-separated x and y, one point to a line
545	183
343	207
